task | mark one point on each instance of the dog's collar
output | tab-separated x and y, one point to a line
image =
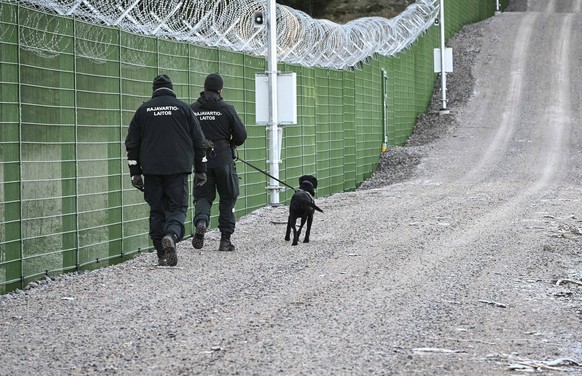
309	193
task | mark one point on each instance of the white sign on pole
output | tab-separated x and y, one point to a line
286	98
448	60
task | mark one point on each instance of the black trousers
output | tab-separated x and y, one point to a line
223	180
167	196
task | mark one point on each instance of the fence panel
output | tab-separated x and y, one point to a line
47	145
10	204
368	118
98	151
253	194
348	102
138	66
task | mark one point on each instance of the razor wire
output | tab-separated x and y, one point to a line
9	17
229	25
40	33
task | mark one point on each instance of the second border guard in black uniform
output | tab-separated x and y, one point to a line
224	131
163	143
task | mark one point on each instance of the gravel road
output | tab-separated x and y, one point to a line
460	256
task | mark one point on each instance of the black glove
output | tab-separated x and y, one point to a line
199	179
137	182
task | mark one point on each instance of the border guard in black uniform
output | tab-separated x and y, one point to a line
224	131
163	143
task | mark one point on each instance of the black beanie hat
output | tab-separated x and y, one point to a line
213	82
162	81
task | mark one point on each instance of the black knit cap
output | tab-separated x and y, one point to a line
163	80
213	82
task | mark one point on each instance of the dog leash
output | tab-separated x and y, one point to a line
265	172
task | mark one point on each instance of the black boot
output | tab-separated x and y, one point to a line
161	253
198	238
225	244
169	244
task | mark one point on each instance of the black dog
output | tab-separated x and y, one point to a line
302	206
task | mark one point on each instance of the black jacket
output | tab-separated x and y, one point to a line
221	125
164	137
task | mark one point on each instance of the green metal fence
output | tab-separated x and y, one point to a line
66	202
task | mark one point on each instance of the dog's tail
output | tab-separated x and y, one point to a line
312	204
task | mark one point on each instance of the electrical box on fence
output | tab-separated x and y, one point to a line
448	60
286	98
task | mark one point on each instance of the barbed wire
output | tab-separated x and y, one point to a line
8	16
98	47
229	24
41	33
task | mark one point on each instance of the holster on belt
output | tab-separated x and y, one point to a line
212	146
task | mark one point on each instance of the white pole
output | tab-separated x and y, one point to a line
443	109
273	126
384	108
497	7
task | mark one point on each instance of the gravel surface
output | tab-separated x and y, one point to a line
460	256
397	163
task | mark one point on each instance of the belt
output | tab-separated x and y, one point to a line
218	145
213	146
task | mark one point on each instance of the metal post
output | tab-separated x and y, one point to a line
273	126
384	109
497	11
443	109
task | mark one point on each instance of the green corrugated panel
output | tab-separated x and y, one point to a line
231	67
10	250
369	119
252	66
174	61
349	131
452	16
322	131
308	109
252	188
462	12
362	86
402	96
292	149
390	100
291	155
139	59
10	245
424	75
100	175
254	150
377	122
301	148
202	61
336	131
47	146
